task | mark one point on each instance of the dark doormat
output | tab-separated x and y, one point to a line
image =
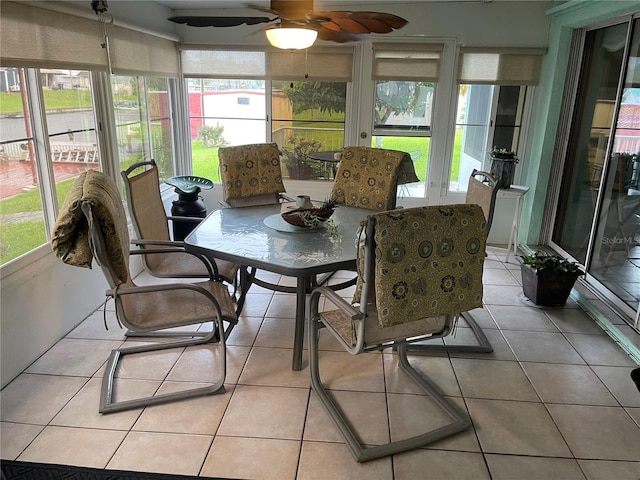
12	470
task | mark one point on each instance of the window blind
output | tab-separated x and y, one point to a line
500	66
322	64
37	37
416	62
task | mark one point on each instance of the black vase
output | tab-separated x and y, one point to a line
503	168
187	205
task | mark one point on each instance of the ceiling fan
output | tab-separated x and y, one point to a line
335	26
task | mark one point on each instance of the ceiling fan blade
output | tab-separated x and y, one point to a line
389	19
339	36
359	22
219	21
347	25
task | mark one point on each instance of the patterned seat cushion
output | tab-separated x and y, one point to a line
250	171
428	262
368	177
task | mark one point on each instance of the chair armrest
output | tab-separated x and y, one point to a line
212	268
336	300
168	243
185	219
224	204
285	197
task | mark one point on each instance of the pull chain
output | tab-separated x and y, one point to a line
100	9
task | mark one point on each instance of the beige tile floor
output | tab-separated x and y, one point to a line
553	401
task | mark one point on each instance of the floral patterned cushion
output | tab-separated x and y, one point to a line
428	262
368	177
70	239
250	170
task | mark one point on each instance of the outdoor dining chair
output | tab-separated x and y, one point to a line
92	225
418	270
168	258
369	177
251	175
481	190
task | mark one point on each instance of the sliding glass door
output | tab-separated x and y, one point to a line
598	215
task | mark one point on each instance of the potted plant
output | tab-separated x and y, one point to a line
503	166
295	156
548	279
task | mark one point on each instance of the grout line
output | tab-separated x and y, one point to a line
606	325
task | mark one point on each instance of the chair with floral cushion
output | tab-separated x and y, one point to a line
369	177
419	270
92	225
251	175
481	190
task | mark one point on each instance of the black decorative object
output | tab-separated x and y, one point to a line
503	166
189	203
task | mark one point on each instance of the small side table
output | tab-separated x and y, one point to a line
517	192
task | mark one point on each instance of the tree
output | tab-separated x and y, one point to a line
324	96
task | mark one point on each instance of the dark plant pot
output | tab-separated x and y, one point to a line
547	288
503	168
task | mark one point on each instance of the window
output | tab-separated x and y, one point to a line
405	77
308	117
142	107
54	97
297	100
70	148
487	116
228	112
494	92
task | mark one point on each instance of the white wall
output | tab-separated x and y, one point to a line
40	303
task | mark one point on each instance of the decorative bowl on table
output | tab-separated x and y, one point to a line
310	217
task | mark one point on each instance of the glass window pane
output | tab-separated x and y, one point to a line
223	112
131	119
143	121
68	108
479	130
590	132
308	117
403	105
22	222
617	245
161	139
472	131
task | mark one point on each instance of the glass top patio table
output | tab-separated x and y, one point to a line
240	235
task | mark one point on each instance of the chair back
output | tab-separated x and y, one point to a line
92	224
144	201
482	190
422	268
368	177
251	174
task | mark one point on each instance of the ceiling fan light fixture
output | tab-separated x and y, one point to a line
290	38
